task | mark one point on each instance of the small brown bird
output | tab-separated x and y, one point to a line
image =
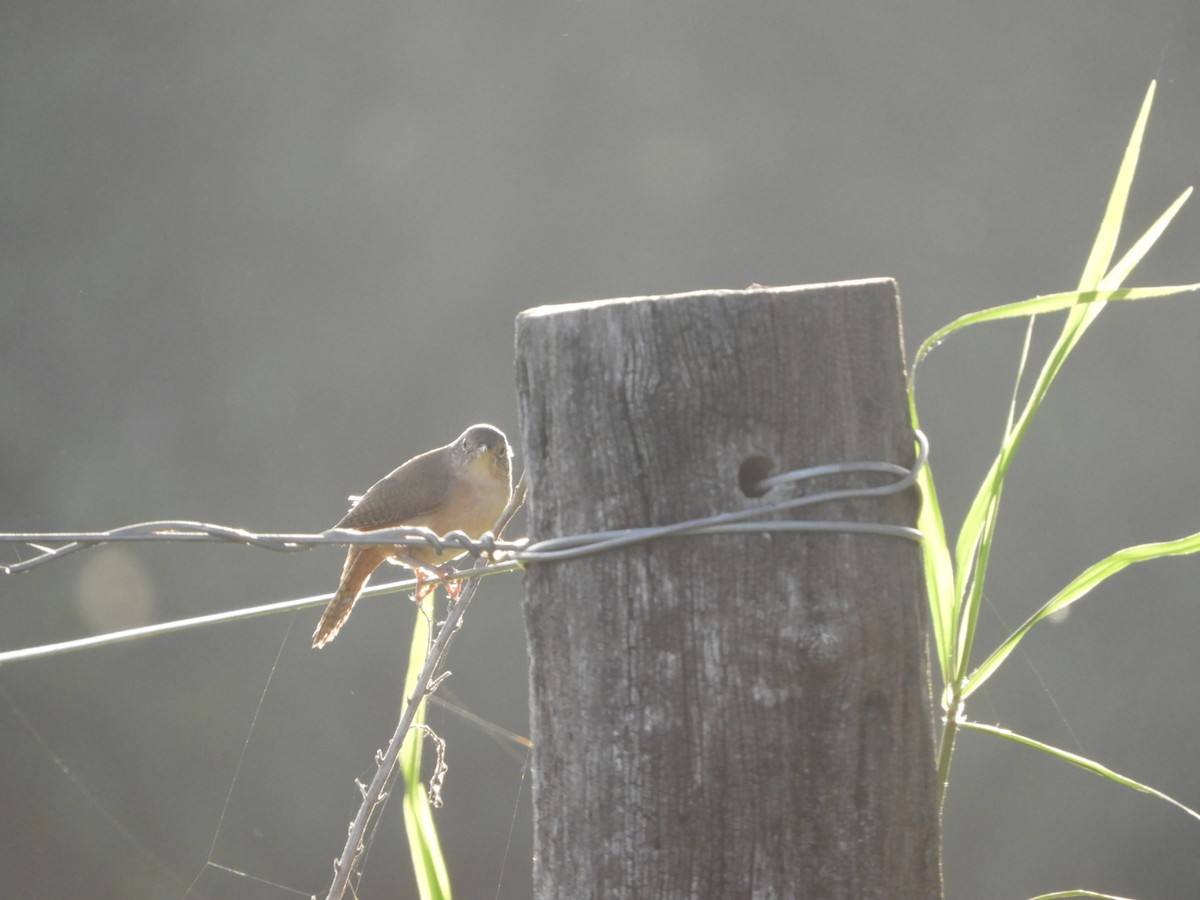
463	486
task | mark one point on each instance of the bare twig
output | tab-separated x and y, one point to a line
373	794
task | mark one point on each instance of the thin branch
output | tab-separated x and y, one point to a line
425	685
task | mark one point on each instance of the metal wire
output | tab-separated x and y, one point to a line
508	555
540	551
745	519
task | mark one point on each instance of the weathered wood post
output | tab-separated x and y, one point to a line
736	715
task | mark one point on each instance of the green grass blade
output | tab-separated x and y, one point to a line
951	633
429	866
1078	892
1110	226
1081	761
974	597
935	556
1079	587
1133	256
1084	304
1102	248
1022	362
1096	272
955	576
939	573
1050	303
981	515
984	508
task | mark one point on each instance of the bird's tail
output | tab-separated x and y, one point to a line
361	561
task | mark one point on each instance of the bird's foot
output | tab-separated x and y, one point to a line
428	579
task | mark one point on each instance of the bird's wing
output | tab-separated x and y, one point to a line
414	490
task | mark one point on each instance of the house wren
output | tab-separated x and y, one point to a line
463	486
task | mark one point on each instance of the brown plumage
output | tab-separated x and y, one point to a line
463	486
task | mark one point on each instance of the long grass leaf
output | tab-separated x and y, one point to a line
939	573
429	866
1022	362
1081	761
1076	589
935	556
1142	245
978	513
1114	213
955	579
1050	303
1079	318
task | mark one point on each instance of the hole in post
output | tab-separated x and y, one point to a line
751	473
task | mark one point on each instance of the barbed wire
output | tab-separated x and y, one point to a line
206	532
507	555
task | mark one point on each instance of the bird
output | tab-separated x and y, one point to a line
462	486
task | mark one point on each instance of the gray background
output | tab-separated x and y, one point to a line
255	255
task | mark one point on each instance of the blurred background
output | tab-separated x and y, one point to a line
256	255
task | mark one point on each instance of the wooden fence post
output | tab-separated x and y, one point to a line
737	715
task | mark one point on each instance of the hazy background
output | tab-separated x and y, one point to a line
254	255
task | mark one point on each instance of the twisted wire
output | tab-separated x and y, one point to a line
507	555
